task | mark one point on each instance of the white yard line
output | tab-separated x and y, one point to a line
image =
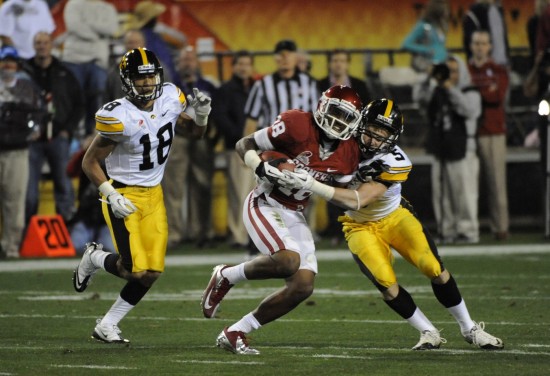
89	366
224	362
322	255
175	318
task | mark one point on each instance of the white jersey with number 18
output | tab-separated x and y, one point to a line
144	137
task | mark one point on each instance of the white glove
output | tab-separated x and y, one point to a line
201	104
120	205
299	179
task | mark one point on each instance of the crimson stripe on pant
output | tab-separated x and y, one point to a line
253	208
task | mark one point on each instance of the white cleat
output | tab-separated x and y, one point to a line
429	340
477	336
109	333
84	272
236	342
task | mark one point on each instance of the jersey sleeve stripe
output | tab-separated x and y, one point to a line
394	177
181	96
112	126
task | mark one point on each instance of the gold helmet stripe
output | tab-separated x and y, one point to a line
388	108
143	56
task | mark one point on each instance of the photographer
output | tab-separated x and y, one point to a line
452	108
20	110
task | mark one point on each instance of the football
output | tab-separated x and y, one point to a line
271	155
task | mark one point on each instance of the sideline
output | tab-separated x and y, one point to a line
23	265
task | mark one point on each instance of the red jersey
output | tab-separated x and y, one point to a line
296	134
491	79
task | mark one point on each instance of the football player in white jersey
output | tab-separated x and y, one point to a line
134	138
379	219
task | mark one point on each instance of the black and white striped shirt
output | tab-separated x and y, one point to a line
272	95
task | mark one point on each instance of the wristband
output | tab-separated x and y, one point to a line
106	189
323	190
358	200
201	120
251	159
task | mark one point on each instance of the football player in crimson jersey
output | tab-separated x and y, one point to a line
135	135
379	219
319	143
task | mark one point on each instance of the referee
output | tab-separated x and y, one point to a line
286	89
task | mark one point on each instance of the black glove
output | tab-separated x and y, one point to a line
268	171
372	171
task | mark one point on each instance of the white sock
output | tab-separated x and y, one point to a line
235	273
247	324
420	322
117	312
462	316
98	258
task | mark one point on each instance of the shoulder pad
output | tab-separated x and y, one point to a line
107	118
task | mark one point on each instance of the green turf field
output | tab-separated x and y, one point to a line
343	329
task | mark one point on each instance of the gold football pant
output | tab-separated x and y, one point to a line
141	237
370	244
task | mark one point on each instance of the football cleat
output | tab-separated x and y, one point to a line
480	338
217	288
429	340
235	342
109	333
84	272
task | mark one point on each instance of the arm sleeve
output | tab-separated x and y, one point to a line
253	105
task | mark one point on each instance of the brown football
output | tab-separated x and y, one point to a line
270	155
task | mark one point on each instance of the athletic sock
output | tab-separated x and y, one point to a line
98	258
247	324
117	312
462	317
234	274
420	322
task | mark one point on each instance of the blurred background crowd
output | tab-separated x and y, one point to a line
469	76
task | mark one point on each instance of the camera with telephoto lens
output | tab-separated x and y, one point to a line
441	72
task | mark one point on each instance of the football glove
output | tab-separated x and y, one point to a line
299	179
120	205
201	104
372	171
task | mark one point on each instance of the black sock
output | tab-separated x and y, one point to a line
447	294
110	264
403	304
133	291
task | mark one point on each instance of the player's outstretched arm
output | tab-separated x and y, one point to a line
352	199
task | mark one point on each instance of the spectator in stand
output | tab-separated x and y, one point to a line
20	20
491	79
64	100
228	114
20	104
145	18
426	41
90	26
189	177
487	15
338	66
453	108
542	16
132	39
